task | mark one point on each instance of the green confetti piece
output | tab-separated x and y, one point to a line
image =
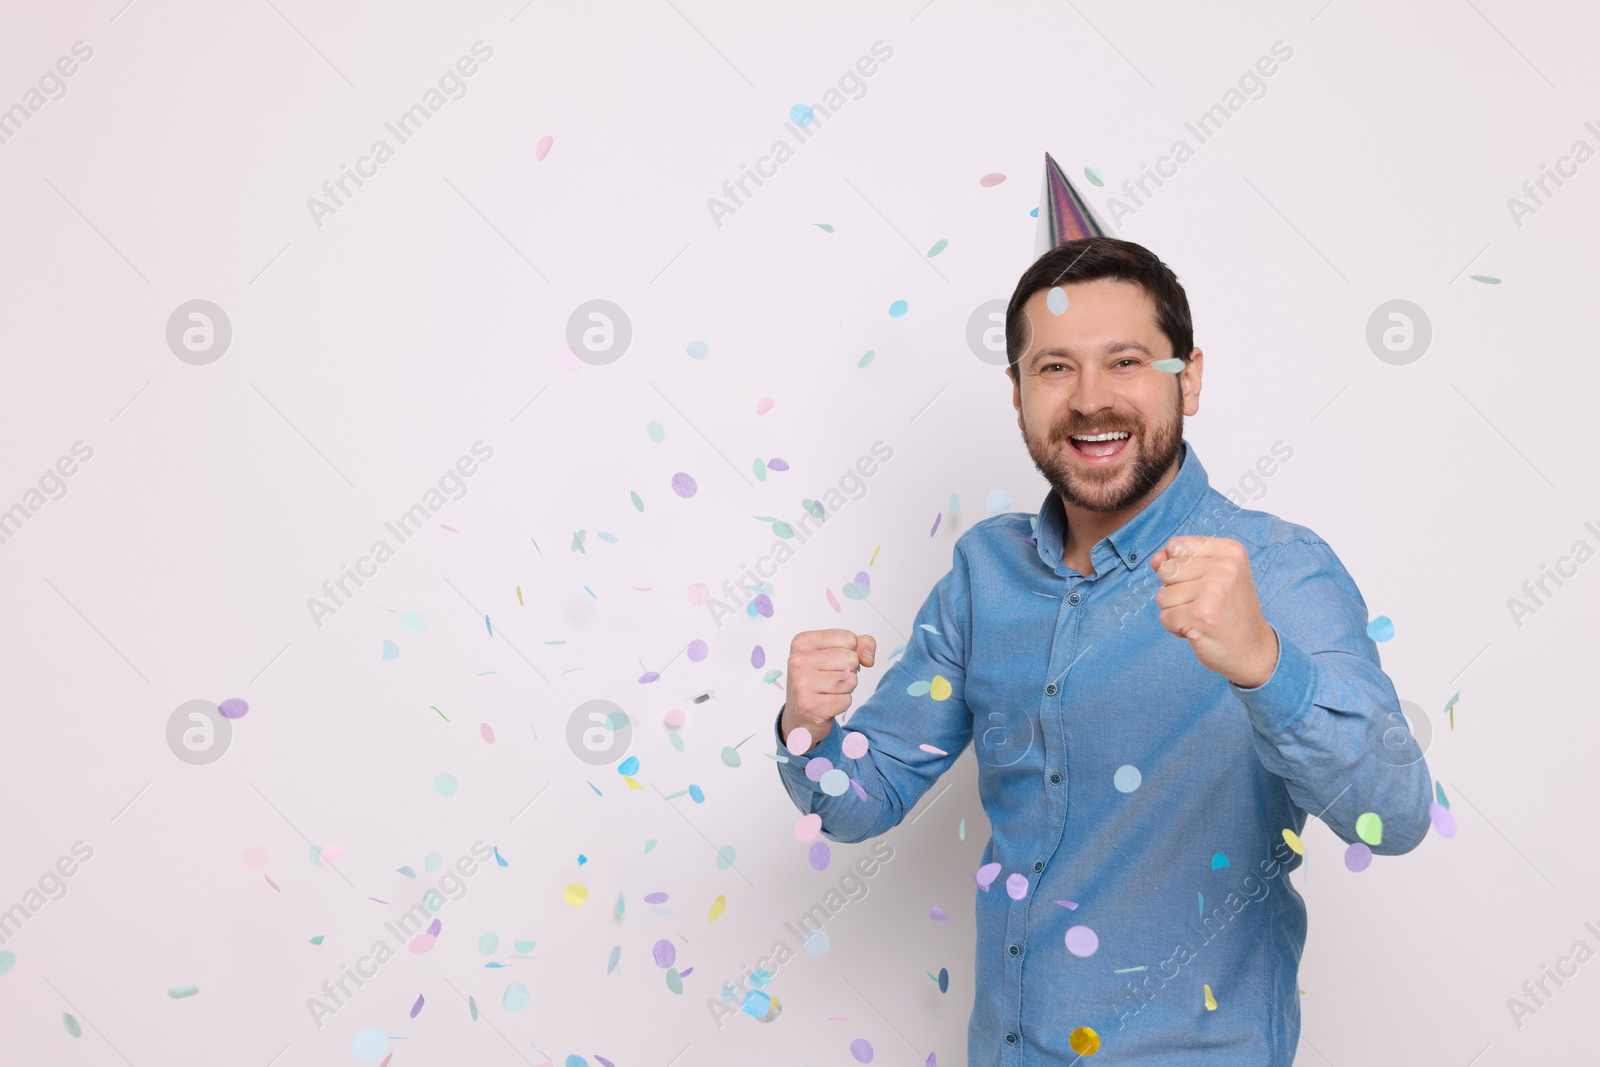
71	1024
8	960
725	857
656	432
1369	827
674	982
637	503
866	358
760	468
620	906
650	844
616	954
1171	366
524	946
675	740
1484	278
318	939
823	226
1438	791
961	831
179	992
1093	176
938	246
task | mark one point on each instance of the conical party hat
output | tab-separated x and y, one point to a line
1063	213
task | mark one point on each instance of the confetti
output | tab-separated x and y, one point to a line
725	857
718	906
422	944
1369	827
1381	628
1070	905
866	358
179	992
442	715
665	953
987	874
944	979
997	501
1093	176
488	942
575	894
823	226
417	1007
1084	1041
515	997
939	688
1081	941
861	1049
938	915
1450	708
444	783
499	859
1171	366
616	954
1056	300
487	733
1358	857
808	827
698	350
835	782
413	623
472	1006
318	939
1485	279
1443	821
1219	860
932	749
854	744
273	884
684	485
541	150
898	309
802	115
390	649
71	1024
233	708
1017	886
819	855
1211	1001
369	1044
519	588
1127	778
8	960
255	857
988	181
1292	839
938	246
1438	792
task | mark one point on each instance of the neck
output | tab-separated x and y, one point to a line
1085	528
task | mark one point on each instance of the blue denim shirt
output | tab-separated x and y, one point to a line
1132	792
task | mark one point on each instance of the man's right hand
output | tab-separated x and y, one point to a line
824	669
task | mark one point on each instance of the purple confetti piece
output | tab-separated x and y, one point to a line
647	677
758	657
1072	904
665	953
417	1007
862	793
936	519
763	605
684	485
698	650
686	972
817	766
233	708
655	898
607	1063
938	915
986	875
434	927
820	855
777	465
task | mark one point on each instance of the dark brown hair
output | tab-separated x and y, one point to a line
1103	257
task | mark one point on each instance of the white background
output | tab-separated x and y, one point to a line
370	352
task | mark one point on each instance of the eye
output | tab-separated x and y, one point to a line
1120	362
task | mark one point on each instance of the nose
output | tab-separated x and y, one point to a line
1091	394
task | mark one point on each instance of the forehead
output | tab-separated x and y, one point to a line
1099	312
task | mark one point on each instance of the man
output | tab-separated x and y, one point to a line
1160	687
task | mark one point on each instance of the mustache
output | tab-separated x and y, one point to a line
1066	428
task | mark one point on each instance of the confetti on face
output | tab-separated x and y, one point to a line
542	149
255	857
515	997
233	708
808	827
1443	821
1056	300
444	783
1171	366
1381	628
1292	839
1082	941
938	246
71	1024
575	894
987	874
819	855
835	782
1369	827
990	180
1084	1041
684	485
1219	860
855	744
898	309
1016	886
1127	778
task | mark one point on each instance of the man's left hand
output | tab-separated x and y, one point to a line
1208	597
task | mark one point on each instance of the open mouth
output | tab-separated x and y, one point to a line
1101	446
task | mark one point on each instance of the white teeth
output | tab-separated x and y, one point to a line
1115	435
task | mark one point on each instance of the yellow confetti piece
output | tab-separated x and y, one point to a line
633	783
939	688
1292	839
1084	1041
874	556
519	594
1211	1001
717	908
575	894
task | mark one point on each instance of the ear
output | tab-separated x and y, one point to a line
1189	381
1016	392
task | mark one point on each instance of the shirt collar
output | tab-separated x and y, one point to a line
1138	538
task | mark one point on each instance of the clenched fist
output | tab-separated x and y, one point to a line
824	668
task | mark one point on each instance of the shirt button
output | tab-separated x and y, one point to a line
1050	690
1133	557
1011	1039
1015	950
1074	599
1055	779
1038	866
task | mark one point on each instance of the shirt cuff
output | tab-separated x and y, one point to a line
830	747
1281	701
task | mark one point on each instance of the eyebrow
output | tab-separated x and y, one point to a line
1111	349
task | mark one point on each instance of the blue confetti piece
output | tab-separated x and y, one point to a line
898	309
802	115
488	625
1219	860
1381	628
501	860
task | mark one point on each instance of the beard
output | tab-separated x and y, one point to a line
1108	489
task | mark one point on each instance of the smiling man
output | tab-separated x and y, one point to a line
1160	688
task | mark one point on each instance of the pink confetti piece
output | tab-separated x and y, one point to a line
698	592
255	856
1017	886
990	180
808	827
938	915
935	751
488	733
763	405
1071	904
417	1007
420	944
543	148
331	852
272	883
452	529
833	600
